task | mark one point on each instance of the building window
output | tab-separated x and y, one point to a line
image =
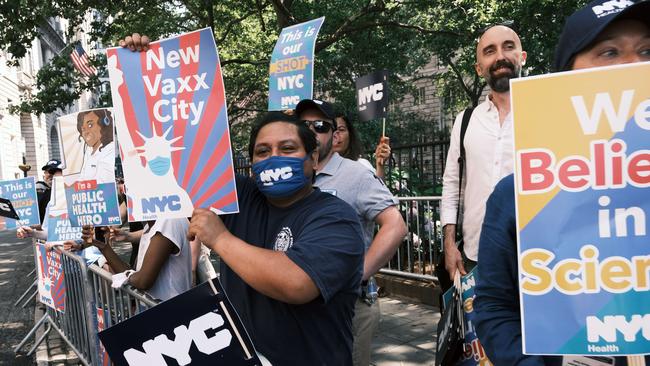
419	97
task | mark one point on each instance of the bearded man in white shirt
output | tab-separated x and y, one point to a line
488	145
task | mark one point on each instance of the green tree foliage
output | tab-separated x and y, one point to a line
358	36
538	23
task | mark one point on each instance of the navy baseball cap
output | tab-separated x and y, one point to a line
583	27
324	107
53	164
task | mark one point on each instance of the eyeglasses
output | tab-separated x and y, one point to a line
319	125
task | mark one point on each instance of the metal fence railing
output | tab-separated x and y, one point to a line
119	304
91	305
422	247
73	323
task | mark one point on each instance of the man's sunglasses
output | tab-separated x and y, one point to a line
506	23
319	126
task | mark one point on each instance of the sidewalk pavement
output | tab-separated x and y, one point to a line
406	335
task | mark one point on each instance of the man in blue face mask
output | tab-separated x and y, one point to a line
292	259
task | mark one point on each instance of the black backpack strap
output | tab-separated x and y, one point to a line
467	114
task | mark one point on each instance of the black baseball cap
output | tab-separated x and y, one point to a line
583	27
324	107
53	164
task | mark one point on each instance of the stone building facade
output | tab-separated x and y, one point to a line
28	139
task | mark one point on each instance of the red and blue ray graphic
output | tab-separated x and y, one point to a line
205	167
52	271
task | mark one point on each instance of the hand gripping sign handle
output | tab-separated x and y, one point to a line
232	324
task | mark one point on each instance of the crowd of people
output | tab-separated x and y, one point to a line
303	270
296	262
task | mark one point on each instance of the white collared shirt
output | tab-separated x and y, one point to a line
489	157
99	165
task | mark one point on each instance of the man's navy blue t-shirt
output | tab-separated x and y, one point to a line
322	235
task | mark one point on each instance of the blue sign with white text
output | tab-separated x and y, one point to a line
60	229
292	65
22	194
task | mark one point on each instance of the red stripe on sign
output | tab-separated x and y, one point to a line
220	150
214	105
186	71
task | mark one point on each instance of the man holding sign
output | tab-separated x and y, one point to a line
292	259
603	33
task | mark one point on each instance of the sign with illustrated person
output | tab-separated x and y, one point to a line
170	113
582	175
198	327
59	227
21	205
372	95
89	150
292	65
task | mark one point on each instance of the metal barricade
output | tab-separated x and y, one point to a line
74	324
31	290
116	304
422	247
91	304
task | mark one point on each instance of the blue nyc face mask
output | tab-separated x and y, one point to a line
280	176
160	166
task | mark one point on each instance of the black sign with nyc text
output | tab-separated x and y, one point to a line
197	327
372	95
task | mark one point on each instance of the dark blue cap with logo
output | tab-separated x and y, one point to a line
324	107
583	27
54	164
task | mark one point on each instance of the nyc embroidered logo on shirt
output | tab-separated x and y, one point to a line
284	240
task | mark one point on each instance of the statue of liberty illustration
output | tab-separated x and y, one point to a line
154	192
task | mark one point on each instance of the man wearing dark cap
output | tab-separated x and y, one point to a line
44	187
602	33
374	205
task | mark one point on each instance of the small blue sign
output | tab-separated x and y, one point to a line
292	65
22	194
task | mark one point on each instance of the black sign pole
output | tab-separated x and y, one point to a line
383	128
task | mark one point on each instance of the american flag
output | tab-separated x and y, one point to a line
80	60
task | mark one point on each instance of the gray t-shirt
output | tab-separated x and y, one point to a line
357	186
175	276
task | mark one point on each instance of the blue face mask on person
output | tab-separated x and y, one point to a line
280	176
160	166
